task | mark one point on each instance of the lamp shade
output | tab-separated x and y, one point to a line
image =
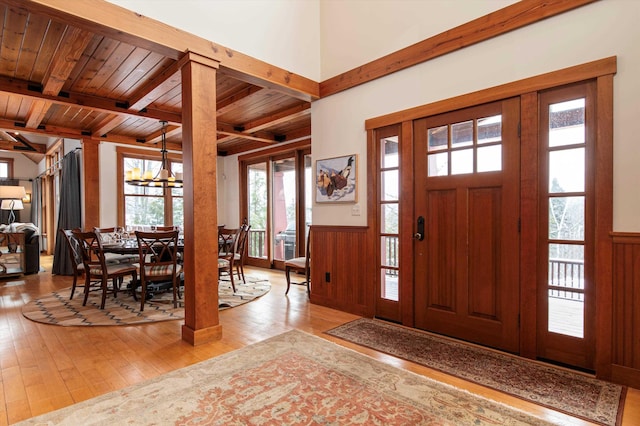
13	192
11	205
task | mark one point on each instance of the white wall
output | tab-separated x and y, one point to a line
284	33
598	30
108	185
228	192
355	32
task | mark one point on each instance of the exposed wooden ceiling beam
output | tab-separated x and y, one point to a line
108	124
37	113
264	137
65	59
33	91
127	26
230	102
57	131
168	79
278	118
19	147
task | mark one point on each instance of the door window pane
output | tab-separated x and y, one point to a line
390	247
438	138
490	129
389	152
566	123
566	218
490	158
389	219
566	289
462	134
389	185
257	203
438	164
284	209
566	171
389	284
462	162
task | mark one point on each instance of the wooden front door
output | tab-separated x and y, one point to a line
467	198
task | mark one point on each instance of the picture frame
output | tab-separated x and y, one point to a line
337	179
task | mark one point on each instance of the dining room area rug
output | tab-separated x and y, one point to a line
56	308
293	378
572	392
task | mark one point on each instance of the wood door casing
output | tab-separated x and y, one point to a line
466	268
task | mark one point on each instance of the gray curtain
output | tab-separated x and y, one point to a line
69	213
36	206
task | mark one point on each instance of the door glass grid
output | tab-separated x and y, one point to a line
471	146
566	217
389	217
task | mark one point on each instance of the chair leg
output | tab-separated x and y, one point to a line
287	272
175	292
73	286
87	285
104	293
233	285
242	271
143	293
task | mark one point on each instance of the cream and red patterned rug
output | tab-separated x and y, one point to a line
56	308
561	389
291	379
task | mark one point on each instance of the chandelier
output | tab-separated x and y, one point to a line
164	178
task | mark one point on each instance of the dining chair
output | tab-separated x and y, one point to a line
235	255
158	256
76	258
300	265
97	272
226	259
226	237
110	236
241	250
164	228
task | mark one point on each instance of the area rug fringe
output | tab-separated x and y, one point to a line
573	393
292	378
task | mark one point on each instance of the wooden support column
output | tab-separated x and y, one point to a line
199	157
91	184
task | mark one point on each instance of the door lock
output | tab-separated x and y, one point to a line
419	235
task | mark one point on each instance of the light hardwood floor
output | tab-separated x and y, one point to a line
46	367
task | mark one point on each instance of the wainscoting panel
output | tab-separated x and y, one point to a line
625	336
339	269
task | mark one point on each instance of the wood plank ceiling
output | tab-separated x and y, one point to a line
58	80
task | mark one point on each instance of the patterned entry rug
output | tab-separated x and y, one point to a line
571	392
291	379
56	308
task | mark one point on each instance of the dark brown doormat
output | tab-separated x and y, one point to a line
571	392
